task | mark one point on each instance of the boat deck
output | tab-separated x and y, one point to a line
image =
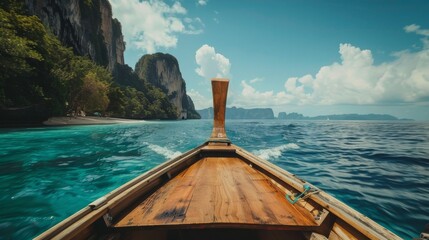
218	191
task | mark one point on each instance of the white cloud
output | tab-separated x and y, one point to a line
200	101
353	81
150	25
250	97
356	80
211	64
255	80
416	29
195	26
202	2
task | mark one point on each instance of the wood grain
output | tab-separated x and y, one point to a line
220	90
217	190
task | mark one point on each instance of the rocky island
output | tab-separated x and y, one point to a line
67	58
162	71
353	116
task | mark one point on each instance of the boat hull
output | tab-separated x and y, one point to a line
235	195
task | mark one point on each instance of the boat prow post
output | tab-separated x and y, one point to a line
220	91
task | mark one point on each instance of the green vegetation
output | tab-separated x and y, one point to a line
138	98
129	102
36	69
88	2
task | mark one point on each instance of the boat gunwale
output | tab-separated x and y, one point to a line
87	215
155	172
362	223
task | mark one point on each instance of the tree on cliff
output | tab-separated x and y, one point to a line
15	50
87	85
130	103
133	97
92	95
36	69
19	39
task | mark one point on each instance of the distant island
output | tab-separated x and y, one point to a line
240	113
354	116
267	113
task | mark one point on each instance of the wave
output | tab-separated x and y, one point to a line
275	152
167	153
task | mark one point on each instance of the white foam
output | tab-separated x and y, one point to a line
164	151
275	152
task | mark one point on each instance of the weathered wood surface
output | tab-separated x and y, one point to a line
218	191
220	90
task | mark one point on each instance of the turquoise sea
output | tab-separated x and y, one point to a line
379	168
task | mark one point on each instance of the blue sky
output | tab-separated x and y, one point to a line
311	57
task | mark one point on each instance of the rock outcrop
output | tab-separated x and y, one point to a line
282	115
162	70
85	25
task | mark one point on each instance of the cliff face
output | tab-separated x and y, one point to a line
162	70
85	25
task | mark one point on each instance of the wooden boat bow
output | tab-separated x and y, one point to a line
217	191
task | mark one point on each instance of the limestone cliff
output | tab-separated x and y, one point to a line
162	70
85	25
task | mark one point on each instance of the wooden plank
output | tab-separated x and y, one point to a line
149	209
266	202
214	147
217	190
341	230
230	206
314	236
358	221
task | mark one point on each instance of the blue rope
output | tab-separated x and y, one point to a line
306	189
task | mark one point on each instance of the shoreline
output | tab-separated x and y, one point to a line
70	121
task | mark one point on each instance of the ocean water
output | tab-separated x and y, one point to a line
379	168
